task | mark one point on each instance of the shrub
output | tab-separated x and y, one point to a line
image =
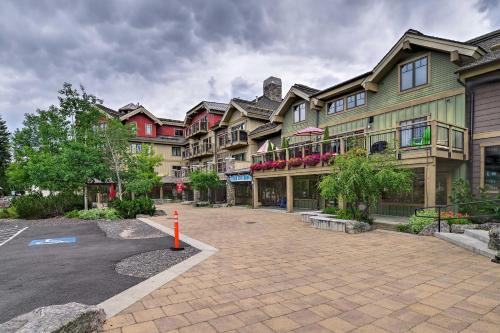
8	213
417	223
330	210
403	228
74	214
130	208
97	214
36	206
327	157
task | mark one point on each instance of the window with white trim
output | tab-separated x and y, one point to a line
149	129
299	112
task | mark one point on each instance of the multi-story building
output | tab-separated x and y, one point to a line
482	80
234	148
411	102
165	136
200	124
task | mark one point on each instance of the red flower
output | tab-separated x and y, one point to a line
327	157
267	165
256	166
279	164
295	161
312	160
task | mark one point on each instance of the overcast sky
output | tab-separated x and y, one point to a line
169	55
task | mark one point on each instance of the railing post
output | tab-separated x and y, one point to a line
439	219
450	140
433	137
342	146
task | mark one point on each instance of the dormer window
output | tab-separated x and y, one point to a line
358	99
299	112
179	132
336	106
413	74
149	129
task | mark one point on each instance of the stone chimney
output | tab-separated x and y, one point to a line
272	88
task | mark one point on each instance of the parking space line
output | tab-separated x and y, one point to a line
12	237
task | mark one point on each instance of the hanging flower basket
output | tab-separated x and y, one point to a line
312	160
295	162
279	164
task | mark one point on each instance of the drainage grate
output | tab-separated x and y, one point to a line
250	222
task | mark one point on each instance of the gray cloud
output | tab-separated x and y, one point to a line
170	54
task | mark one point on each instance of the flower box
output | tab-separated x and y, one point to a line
256	166
295	162
327	157
279	164
312	160
267	165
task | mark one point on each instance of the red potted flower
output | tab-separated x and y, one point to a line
327	157
267	165
279	164
312	160
295	161
256	166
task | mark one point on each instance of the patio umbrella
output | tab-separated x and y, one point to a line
309	131
265	147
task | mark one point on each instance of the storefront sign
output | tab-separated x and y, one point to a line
240	178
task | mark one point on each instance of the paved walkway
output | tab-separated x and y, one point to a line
273	274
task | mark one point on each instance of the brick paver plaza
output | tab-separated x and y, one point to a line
278	275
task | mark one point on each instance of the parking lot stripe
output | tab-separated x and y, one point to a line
12	236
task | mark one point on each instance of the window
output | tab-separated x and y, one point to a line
413	74
336	106
299	113
133	128
355	100
239	157
238	127
149	129
414	133
135	148
492	168
176	151
179	132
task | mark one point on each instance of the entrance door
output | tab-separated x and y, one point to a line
243	193
272	192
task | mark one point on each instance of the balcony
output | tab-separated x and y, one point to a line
196	129
418	140
233	139
198	151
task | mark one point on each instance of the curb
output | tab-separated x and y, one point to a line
126	298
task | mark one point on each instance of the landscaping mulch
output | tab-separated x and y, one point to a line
145	265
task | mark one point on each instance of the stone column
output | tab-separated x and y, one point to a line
430	184
255	197
196	195
230	193
161	192
289	194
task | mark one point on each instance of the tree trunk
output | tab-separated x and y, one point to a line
85	197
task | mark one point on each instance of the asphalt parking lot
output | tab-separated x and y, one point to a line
49	264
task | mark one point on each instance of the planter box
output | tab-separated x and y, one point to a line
328	223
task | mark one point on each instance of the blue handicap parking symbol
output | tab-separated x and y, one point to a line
52	241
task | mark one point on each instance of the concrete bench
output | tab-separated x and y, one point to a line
306	216
328	223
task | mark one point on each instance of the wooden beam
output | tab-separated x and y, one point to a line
455	57
371	86
406	45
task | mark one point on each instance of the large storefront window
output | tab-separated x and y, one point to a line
492	168
305	192
272	192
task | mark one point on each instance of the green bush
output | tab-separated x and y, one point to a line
36	206
130	208
8	213
95	214
330	210
74	214
417	223
403	228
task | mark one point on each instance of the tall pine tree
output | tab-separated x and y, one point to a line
4	155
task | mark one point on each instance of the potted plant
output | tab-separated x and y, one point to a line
312	160
267	165
279	164
295	162
327	157
256	166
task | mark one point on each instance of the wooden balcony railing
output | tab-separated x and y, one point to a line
426	138
233	139
198	128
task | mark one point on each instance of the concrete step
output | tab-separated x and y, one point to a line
481	235
385	226
467	242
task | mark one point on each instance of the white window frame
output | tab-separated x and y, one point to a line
297	109
149	129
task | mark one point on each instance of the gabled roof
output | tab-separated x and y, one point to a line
490	42
418	39
141	109
173	122
297	90
109	112
266	129
260	108
129	107
211	107
342	87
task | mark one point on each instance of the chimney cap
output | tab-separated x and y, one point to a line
272	79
